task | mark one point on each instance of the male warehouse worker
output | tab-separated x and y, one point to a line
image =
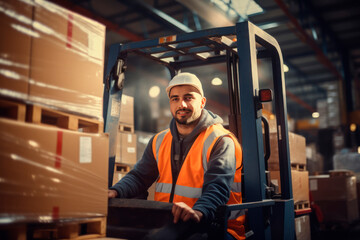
196	164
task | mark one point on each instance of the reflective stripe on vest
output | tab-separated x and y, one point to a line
179	190
158	142
236	187
236	214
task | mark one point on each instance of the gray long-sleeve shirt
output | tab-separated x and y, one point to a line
217	179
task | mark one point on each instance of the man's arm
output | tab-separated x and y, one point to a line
139	179
218	178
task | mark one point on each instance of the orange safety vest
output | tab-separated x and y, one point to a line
188	188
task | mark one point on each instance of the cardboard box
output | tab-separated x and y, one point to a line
126	148
325	188
127	110
339	210
302	228
297	147
50	173
336	195
300	184
67	61
15	42
52	56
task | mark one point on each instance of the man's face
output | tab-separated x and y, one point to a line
186	104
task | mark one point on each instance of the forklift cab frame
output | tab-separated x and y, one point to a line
239	46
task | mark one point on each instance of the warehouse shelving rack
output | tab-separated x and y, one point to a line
239	46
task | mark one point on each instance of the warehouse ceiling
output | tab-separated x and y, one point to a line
319	39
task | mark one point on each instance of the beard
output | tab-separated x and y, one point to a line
186	120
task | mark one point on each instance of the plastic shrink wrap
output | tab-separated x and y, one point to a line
51	56
51	173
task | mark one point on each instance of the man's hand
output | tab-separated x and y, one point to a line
112	193
182	211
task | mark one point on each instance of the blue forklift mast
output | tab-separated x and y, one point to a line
268	216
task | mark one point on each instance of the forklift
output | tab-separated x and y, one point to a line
269	215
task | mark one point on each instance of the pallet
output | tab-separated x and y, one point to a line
121	167
298	167
87	228
120	170
43	115
126	128
340	173
301	205
12	110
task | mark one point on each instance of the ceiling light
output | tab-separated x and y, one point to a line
154	91
286	68
268	25
315	115
204	55
216	81
353	127
247	7
168	60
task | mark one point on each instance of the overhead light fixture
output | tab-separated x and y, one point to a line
221	13
216	81
266	26
286	68
168	60
246	7
315	115
204	55
313	31
353	127
154	91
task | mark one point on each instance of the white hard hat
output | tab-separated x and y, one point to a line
185	78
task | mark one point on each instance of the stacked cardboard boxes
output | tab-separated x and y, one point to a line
52	60
52	57
126	138
15	48
125	157
336	195
49	172
126	119
126	148
299	175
